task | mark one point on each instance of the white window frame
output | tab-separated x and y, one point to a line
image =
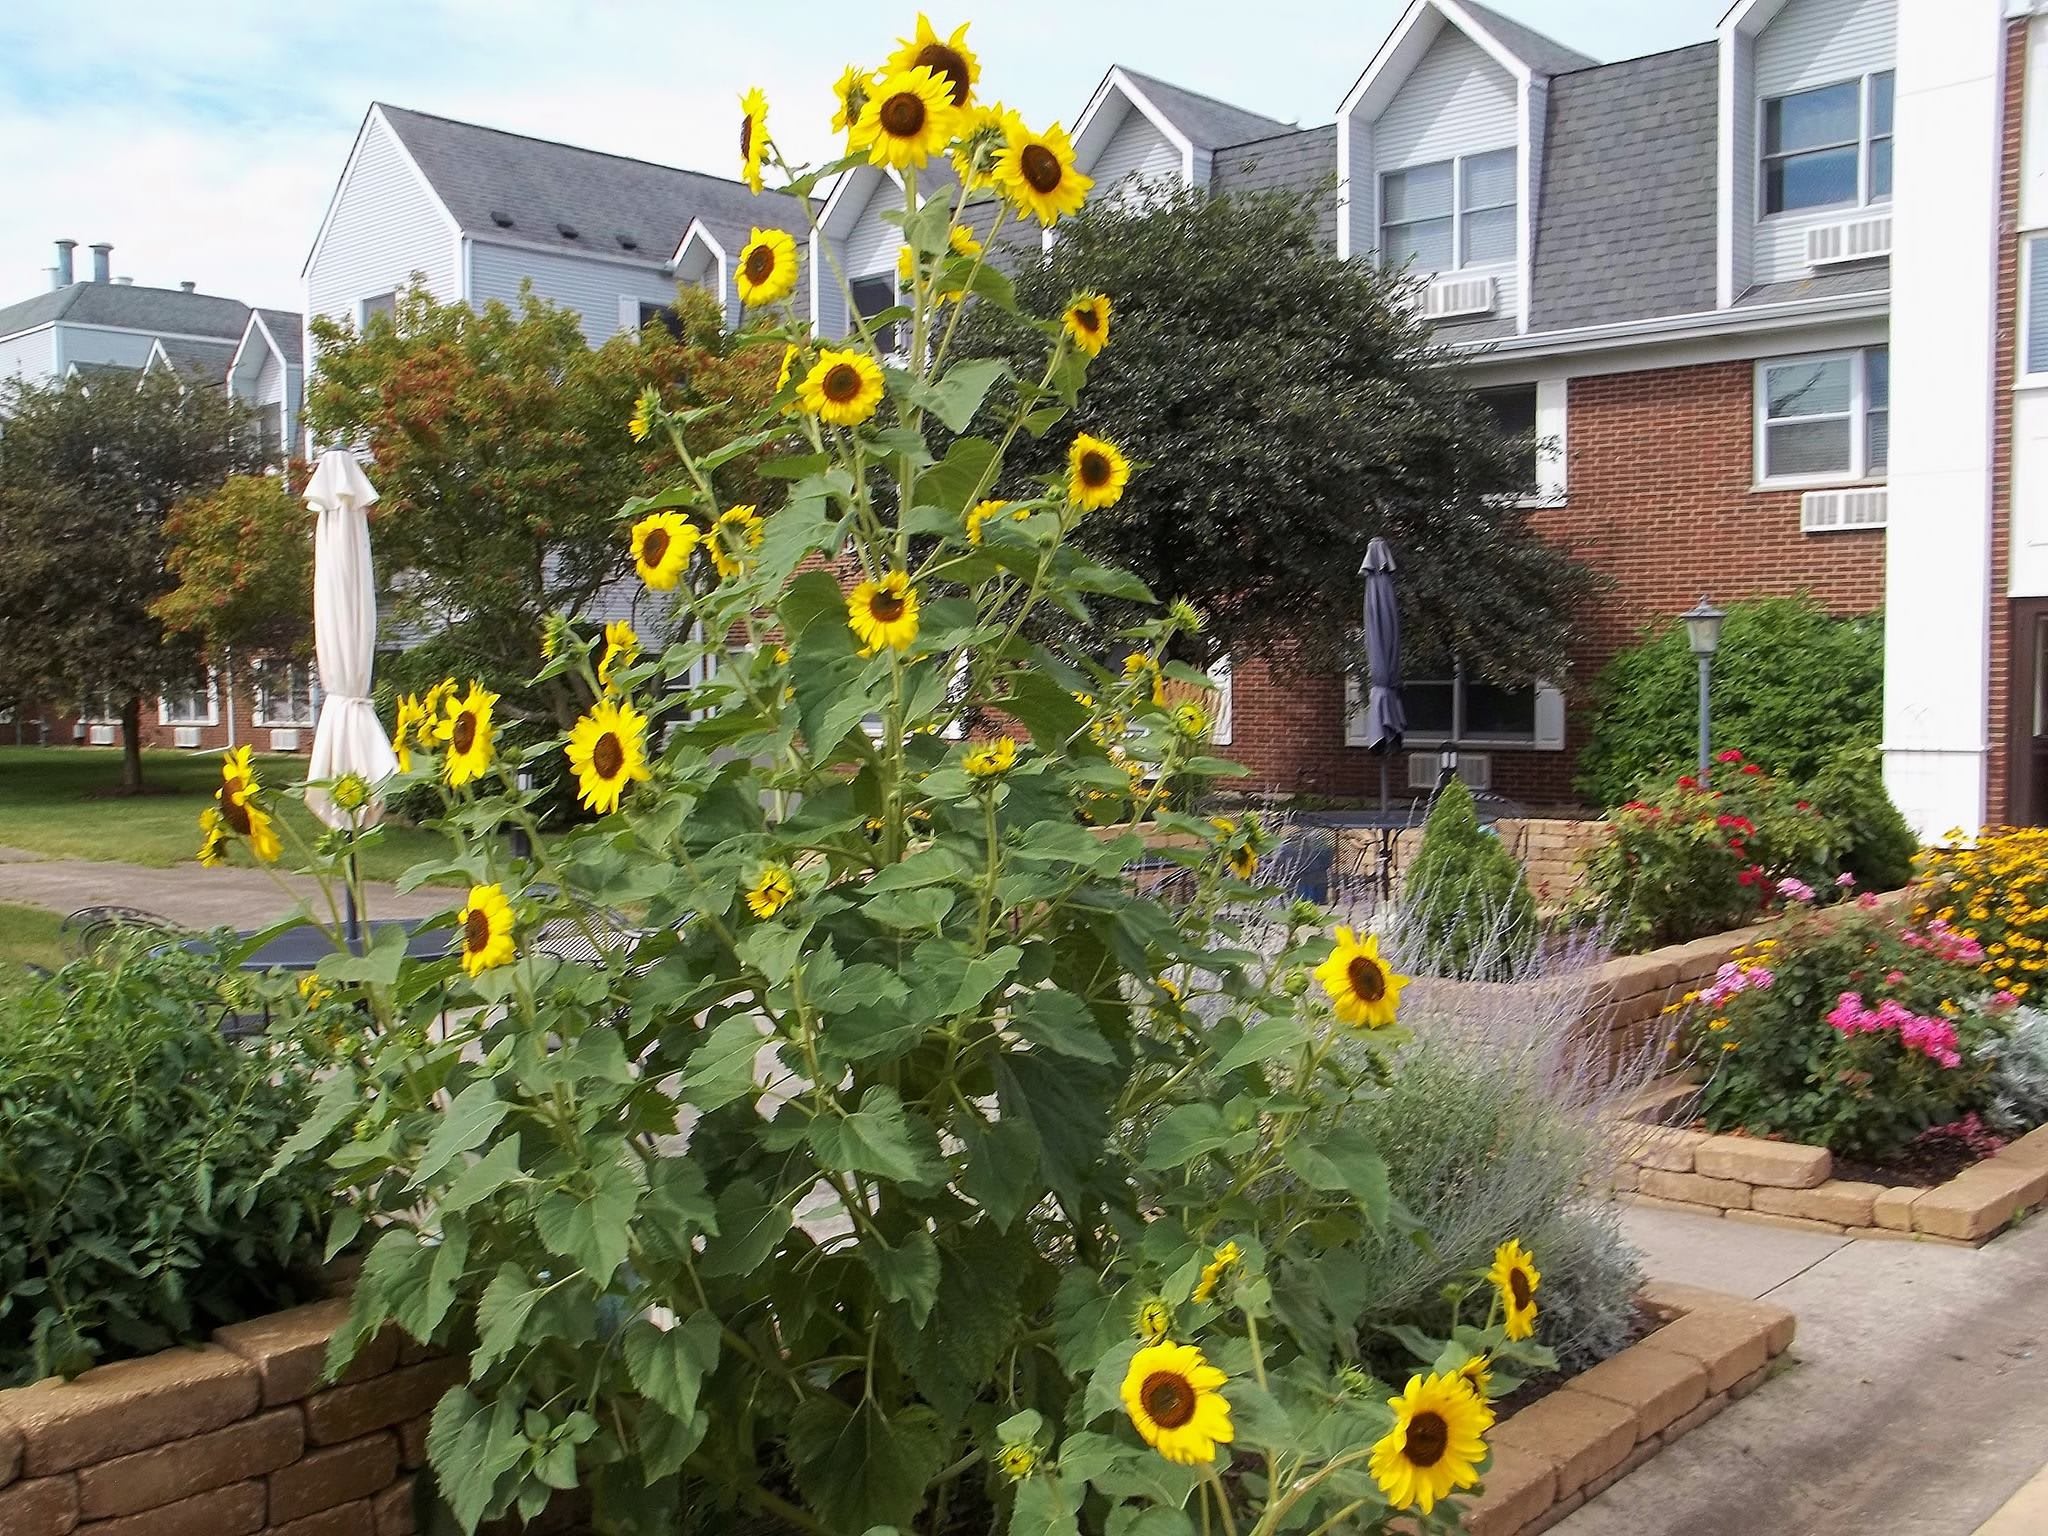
1858	471
87	717
2024	375
1546	732
1865	139
1458	209
163	705
260	716
363	307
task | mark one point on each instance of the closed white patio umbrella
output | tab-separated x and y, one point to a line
349	738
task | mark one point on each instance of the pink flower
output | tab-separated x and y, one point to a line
1895	978
1845	880
1867	899
1790	889
2003	999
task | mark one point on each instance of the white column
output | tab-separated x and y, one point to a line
1944	271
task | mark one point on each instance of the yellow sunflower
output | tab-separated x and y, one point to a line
1138	668
908	119
233	814
1036	171
662	545
767	269
1017	1461
466	729
963	242
753	136
412	716
1155	1319
1365	990
884	613
849	95
644	410
843	387
737	531
1514	1275
608	751
1174	1397
1087	321
980	513
790	353
213	837
906	266
1226	1258
486	925
1096	473
1436	1444
991	758
1477	1373
947	57
982	132
621	649
1190	720
771	890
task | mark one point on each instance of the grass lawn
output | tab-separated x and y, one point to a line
28	936
49	803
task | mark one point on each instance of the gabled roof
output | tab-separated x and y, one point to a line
287	331
1543	55
202	361
1206	122
130	308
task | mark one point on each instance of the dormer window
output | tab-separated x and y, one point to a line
1830	147
1450	214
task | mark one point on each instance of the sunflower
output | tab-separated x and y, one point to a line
486	923
1190	720
980	513
790	353
235	813
1036	171
737	531
1477	1373
753	137
906	266
1435	1445
772	890
1226	1258
213	838
963	241
412	716
1096	473
1138	667
466	728
843	387
1173	1396
949	58
1017	1460
1244	862
982	131
849	95
238	774
1514	1275
1155	1319
909	119
884	613
1364	988
991	759
607	751
662	545
767	269
644	411
1087	321
621	649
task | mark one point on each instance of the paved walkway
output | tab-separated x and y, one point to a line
192	896
1918	1407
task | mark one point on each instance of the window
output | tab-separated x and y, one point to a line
189	706
872	296
385	304
1531	716
663	315
2034	325
1514	413
1830	147
284	692
1826	417
1454	213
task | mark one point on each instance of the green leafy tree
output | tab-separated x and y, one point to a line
1288	406
87	478
1468	892
243	556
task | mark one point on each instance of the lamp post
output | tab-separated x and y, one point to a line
1703	631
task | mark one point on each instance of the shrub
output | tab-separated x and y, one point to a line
1872	841
1791	685
1996	891
2017	1098
133	1142
1467	892
1591	1273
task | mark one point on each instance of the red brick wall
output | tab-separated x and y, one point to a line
1999	720
240	700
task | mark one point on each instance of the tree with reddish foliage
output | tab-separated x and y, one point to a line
243	556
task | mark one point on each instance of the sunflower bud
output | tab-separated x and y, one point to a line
1186	617
1017	1460
350	792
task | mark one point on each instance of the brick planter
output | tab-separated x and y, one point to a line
1601	1425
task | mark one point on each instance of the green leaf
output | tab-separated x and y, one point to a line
720	1070
875	1138
749	1227
591	1227
1256	1417
858	1466
378	967
1060	1021
666	1443
1185	1134
956	398
501	1316
1002	1168
910	910
1045	1507
948	484
456	1438
471	1117
1105	1382
340	1099
935	865
1343	1158
1130	1520
908	1272
486	1176
772	950
670	1365
1266	1040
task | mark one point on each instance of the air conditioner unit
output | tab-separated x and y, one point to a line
100	735
78	731
1839	511
185	736
1424	768
284	741
1448	297
1865	239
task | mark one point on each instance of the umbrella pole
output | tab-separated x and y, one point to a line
1383	781
352	921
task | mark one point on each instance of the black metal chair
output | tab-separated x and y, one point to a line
85	932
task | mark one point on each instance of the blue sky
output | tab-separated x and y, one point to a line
203	137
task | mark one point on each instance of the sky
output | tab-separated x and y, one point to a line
203	138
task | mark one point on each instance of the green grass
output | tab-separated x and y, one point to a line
28	936
53	801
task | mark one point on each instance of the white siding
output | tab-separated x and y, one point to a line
31	356
1808	43
1137	152
868	247
699	269
1361	190
1742	239
91	344
592	288
384	227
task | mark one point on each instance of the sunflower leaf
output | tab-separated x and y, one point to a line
471	1116
1185	1134
860	1466
956	398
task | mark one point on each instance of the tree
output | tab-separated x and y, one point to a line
86	480
243	556
1288	406
502	457
1468	898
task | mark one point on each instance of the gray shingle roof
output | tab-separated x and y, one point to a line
1208	123
486	174
1540	53
288	328
130	308
1868	277
1626	227
1296	162
206	360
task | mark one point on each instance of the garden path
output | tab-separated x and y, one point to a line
1918	1407
190	895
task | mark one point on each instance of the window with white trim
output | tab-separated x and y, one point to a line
872	296
190	706
2034	308
1824	417
1513	408
284	692
1530	716
1450	214
385	304
1828	147
663	315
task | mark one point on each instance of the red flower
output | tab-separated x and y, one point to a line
1747	877
1728	755
1687	781
1724	821
1751	768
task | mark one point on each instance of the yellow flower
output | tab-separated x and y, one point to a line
753	137
906	265
884	613
350	792
662	545
1087	321
238	774
1226	1258
607	751
466	729
849	95
963	242
213	838
980	513
621	649
1436	1444
313	991
1096	473
772	890
737	531
843	387
643	415
991	758
910	118
982	132
1139	667
949	58
235	813
1036	171
1155	1319
1514	1275
767	269
1190	719
1364	989
1244	862
1174	1397
1477	1373
1017	1461
412	716
486	925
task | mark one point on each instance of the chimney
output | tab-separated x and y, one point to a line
188	286
125	282
51	274
64	250
102	263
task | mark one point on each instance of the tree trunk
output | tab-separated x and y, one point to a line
131	746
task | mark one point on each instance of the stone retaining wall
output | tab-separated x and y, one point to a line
1550	850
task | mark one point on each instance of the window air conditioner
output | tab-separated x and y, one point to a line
1864	239
1449	297
186	736
284	741
1475	768
100	735
1837	511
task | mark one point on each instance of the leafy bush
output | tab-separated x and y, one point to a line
133	1143
1467	891
1996	891
2017	1099
1791	685
1872	841
1591	1274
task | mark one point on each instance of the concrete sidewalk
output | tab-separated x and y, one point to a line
193	896
1918	1406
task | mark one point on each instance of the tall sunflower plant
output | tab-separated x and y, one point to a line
833	1133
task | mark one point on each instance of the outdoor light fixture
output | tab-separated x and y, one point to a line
1703	631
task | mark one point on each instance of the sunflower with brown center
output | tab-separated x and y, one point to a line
910	118
1362	987
1036	172
1096	473
466	731
235	815
1087	321
767	269
621	649
844	387
1515	1277
1174	1396
607	752
735	536
753	137
947	57
982	131
883	614
485	924
1436	1444
662	545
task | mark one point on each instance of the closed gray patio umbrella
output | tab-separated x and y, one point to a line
1385	720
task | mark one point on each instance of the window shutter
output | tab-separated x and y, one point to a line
1219	679
1549	718
1354	710
629	314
